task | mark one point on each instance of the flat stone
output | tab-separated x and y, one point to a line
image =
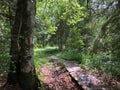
87	82
73	69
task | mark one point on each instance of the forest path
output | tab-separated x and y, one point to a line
55	77
59	74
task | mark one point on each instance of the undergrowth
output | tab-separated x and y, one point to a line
97	61
102	62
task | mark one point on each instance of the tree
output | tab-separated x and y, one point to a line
58	16
6	21
75	41
103	26
22	69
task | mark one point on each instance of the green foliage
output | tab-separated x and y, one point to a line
42	55
69	11
74	41
4	41
93	31
4	62
71	55
102	62
103	49
52	12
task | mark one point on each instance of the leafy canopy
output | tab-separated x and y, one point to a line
50	12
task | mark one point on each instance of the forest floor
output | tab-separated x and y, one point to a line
56	75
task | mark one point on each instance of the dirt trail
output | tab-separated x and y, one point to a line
67	75
55	77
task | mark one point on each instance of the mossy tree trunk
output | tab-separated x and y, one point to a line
27	76
22	69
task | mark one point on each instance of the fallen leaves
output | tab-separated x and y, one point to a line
57	78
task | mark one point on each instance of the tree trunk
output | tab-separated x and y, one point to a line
60	32
60	45
22	69
14	49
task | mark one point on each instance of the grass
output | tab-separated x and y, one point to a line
42	55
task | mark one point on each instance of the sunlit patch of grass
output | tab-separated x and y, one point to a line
42	55
40	58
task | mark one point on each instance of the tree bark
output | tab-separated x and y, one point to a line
27	77
22	69
14	49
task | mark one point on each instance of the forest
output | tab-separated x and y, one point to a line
60	45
